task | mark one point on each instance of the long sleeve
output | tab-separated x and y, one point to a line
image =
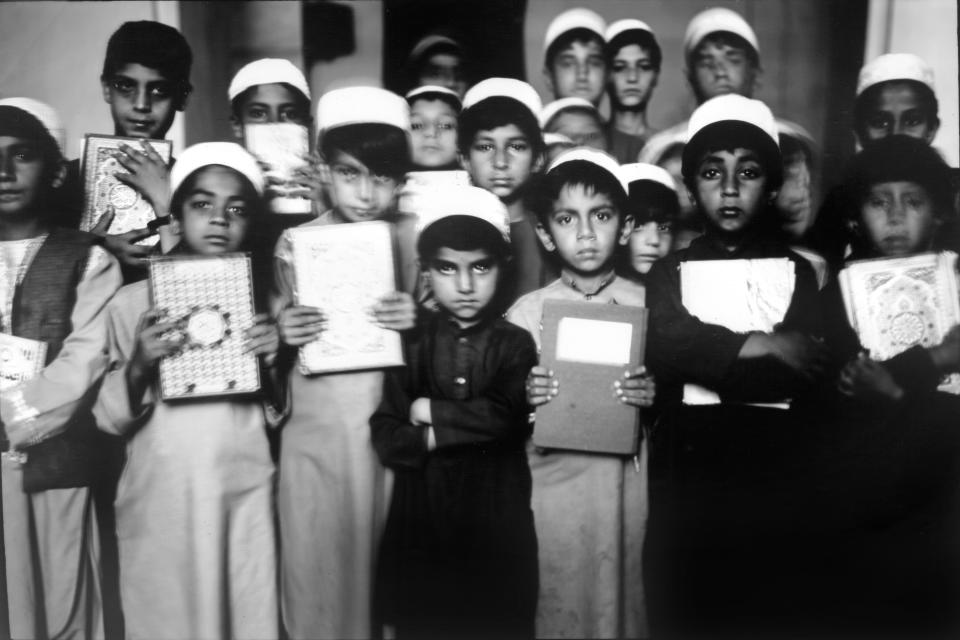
397	441
41	407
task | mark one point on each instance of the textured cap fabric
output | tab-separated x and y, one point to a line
359	105
594	156
437	204
550	111
519	90
895	66
268	71
432	89
428	42
637	171
712	21
622	26
733	107
43	112
578	18
551	138
227	154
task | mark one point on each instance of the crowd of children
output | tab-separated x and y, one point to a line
818	491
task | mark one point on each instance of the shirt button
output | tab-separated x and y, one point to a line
461	380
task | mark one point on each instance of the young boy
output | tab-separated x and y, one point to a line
54	288
573	60
577	119
590	510
633	58
653	204
719	533
434	112
895	95
501	147
332	491
459	554
439	60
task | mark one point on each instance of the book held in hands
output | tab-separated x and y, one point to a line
283	147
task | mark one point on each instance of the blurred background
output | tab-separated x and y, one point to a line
811	51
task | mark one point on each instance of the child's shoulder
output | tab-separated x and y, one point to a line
134	297
506	332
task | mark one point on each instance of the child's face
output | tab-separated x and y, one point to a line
794	203
648	243
731	190
579	71
434	133
632	77
464	283
357	194
501	161
898	218
898	110
21	175
216	212
583	129
270	103
585	229
444	70
142	101
719	69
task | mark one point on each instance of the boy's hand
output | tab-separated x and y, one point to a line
154	341
300	324
542	386
636	388
149	174
262	338
306	181
420	413
123	246
866	379
803	354
395	311
946	355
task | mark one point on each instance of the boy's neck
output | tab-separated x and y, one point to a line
587	284
21	229
516	211
631	121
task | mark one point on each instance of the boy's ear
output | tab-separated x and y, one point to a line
182	99
59	175
691	195
464	162
538	163
325	176
105	88
932	130
626	229
545	238
237	127
174	226
548	79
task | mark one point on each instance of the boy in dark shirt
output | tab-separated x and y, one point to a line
459	554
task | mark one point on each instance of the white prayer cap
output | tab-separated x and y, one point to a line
428	42
622	26
431	91
601	159
551	138
578	18
268	71
714	20
361	105
227	154
636	171
550	111
895	66
43	112
473	202
518	90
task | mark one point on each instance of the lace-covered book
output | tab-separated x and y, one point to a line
20	359
896	303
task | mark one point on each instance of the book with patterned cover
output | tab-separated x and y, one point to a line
344	269
20	359
102	189
896	303
283	146
210	298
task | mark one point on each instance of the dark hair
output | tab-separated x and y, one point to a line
16	122
566	39
384	149
436	96
236	105
867	101
575	173
733	134
728	39
190	182
414	65
650	201
646	40
584	111
154	45
494	112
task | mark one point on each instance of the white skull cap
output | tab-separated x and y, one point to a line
622	26
895	66
601	159
714	20
636	171
43	112
437	204
551	138
429	89
227	154
550	111
519	90
733	107
360	105
427	42
268	71
577	18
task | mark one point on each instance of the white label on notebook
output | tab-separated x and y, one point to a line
594	341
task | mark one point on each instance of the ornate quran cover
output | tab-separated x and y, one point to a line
20	359
283	146
589	346
896	303
211	300
344	269
741	295
102	189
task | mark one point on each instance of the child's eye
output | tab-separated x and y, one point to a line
709	173
482	267
562	219
603	215
646	65
483	147
736	57
619	67
201	205
878	121
416	126
597	62
237	211
913	120
447	126
916	202
384	181
256	113
445	268
751	173
161	90
346	173
878	203
292	115
123	85
26	154
519	147
664	228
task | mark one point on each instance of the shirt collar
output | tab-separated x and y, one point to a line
567	280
